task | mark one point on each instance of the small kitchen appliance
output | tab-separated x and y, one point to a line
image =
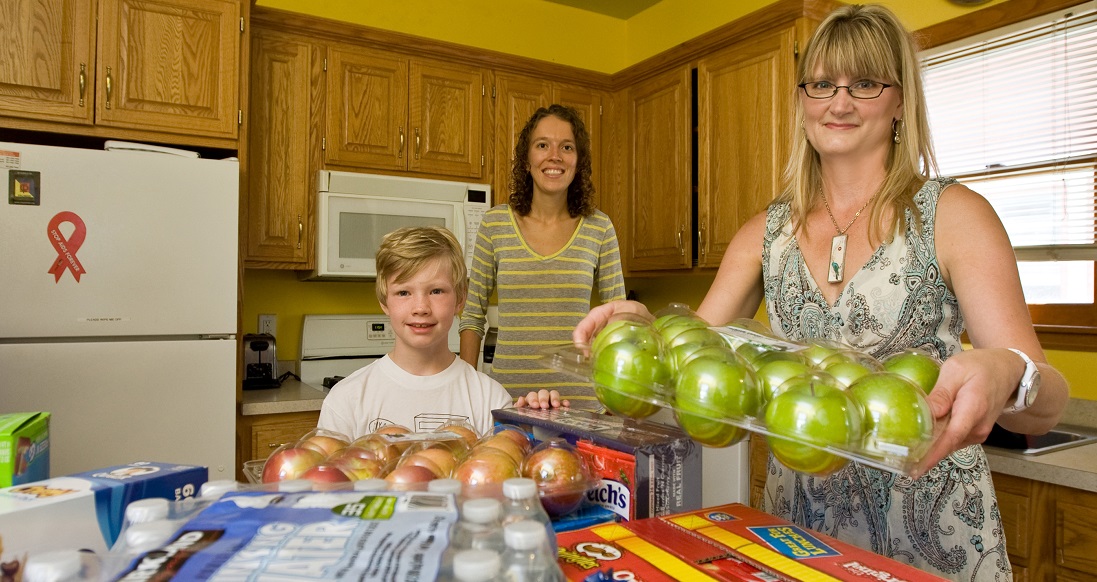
260	362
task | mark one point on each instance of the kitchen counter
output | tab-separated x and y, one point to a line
291	396
1074	467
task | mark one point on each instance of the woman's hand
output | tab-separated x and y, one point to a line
544	399
970	394
600	316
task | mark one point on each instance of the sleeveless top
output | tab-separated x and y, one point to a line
946	522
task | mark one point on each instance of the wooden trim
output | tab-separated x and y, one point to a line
317	28
989	18
1077	339
764	20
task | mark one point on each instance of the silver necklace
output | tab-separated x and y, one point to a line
838	243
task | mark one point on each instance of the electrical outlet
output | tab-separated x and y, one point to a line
268	324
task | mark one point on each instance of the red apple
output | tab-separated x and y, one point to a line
504	444
421	461
395	430
409	477
289	463
482	468
462	430
898	420
381	449
358	468
323	441
327	473
813	409
519	436
442	458
917	366
562	476
711	391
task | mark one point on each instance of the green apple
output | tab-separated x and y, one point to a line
641	334
629	380
848	366
819	349
664	321
697	335
898	420
675	328
711	390
813	410
774	372
915	365
751	351
684	353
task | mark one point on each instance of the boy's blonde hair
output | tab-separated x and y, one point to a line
405	251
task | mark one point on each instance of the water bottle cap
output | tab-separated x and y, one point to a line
372	484
146	536
485	510
444	486
217	487
146	510
525	535
52	566
476	565
519	488
295	485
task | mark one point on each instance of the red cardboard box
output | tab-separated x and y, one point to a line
697	546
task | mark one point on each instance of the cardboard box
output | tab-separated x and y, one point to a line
698	544
85	510
667	473
24	447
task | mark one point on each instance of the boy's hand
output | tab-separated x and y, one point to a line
542	399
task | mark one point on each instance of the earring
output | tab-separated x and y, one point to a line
896	126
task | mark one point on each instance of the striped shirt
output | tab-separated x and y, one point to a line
541	298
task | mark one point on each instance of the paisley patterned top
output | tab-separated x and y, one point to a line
947	521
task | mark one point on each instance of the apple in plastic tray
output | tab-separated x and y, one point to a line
289	462
813	408
562	475
629	379
898	420
711	390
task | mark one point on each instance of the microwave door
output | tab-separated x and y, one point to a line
356	225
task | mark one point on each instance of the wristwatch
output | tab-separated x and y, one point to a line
1026	391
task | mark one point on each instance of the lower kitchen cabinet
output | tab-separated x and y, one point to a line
257	436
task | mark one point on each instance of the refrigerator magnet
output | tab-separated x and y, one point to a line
24	187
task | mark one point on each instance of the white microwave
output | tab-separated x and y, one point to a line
356	210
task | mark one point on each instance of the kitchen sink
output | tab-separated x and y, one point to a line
1055	440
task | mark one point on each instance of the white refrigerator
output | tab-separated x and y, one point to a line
118	304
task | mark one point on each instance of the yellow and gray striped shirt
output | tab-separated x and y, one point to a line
541	298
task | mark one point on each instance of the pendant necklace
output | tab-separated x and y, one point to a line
838	243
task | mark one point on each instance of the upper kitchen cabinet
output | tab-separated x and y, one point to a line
518	97
389	112
659	205
163	66
283	150
744	103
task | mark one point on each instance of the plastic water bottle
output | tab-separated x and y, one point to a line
59	566
477	566
215	489
523	502
527	557
480	526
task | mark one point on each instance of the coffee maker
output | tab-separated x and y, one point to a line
260	362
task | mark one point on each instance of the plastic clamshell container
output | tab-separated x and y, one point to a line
871	436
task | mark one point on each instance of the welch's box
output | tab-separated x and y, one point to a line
85	510
644	469
24	447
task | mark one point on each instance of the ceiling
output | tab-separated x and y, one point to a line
623	9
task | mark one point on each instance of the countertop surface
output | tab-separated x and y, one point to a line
291	396
1073	467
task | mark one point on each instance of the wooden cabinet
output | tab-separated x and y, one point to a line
744	102
156	65
758	469
659	206
388	112
257	436
517	98
283	150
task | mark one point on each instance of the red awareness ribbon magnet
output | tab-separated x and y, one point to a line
66	247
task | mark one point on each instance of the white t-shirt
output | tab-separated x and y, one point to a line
384	393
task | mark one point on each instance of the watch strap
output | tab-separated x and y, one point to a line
1028	379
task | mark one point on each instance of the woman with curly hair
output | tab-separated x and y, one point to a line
543	253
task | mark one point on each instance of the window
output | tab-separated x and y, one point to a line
1014	116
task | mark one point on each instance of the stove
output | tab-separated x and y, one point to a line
334	346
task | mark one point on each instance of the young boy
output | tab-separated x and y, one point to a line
421	284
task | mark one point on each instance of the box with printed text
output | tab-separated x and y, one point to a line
24	447
644	469
85	511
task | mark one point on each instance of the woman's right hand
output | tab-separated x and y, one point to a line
600	316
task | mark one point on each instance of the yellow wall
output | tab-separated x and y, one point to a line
588	41
569	36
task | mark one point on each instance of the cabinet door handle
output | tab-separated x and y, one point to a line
417	143
110	86
681	247
300	230
83	82
400	152
275	445
701	239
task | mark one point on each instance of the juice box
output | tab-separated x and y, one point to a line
24	447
